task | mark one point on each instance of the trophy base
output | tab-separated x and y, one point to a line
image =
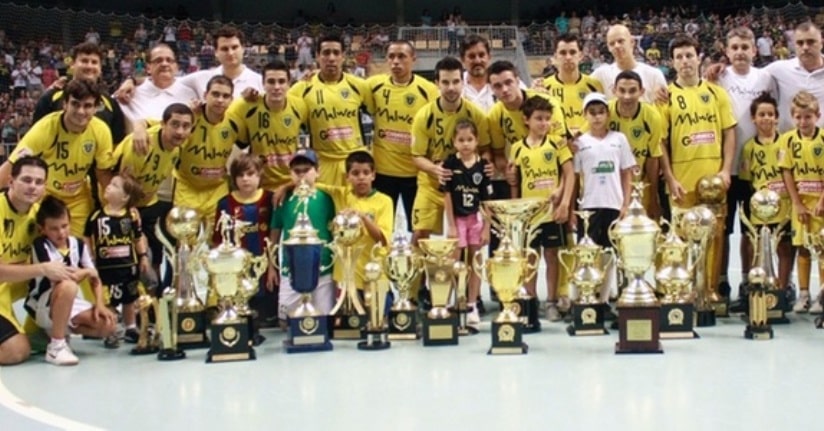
704	318
638	330
722	308
463	328
777	306
307	334
758	332
375	340
403	325
440	332
147	350
171	355
254	329
230	342
677	321
527	310
191	330
348	327
587	319
507	339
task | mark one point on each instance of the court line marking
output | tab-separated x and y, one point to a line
24	408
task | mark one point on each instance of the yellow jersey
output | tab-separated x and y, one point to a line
696	118
68	155
18	231
805	157
273	135
203	158
335	113
432	132
540	168
507	126
395	108
644	130
572	97
759	165
150	170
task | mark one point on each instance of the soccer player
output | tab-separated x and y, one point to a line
71	142
398	95
335	100
622	47
201	172
270	125
569	85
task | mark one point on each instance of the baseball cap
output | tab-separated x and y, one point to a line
594	98
304	154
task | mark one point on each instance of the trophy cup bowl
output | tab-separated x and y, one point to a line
711	190
183	224
440	326
634	237
226	266
346	228
697	224
765	204
511	217
402	264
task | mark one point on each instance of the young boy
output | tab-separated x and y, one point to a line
802	166
119	250
544	170
57	307
605	162
250	203
321	211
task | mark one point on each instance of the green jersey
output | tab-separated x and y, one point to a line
321	211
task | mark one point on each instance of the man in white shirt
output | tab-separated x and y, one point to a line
621	45
765	48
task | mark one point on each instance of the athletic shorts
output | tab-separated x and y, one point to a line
427	211
80	208
395	187
202	201
150	216
599	224
549	235
42	312
470	228
740	192
121	285
815	224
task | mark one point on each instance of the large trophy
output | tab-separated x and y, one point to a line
228	266
674	281
461	306
146	343
166	324
401	264
814	242
698	225
712	194
440	327
514	218
184	225
308	330
348	314
634	237
375	292
506	272
587	275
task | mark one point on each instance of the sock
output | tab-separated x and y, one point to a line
722	278
57	342
804	266
131	326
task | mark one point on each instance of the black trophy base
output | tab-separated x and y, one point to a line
704	318
587	319
170	355
146	350
639	330
507	339
440	332
403	325
463	328
777	308
254	328
307	334
527	310
230	342
349	327
677	321
375	340
758	332
722	307
191	330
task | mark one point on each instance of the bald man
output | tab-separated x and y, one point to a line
621	45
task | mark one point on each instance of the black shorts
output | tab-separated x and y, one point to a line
549	235
740	192
149	217
121	283
786	231
7	329
401	188
599	224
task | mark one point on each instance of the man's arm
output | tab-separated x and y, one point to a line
5	174
104	176
728	141
14	273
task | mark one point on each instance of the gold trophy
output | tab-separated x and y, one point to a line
440	327
506	271
184	225
698	225
375	293
461	271
712	193
166	323
814	242
146	343
514	218
228	265
674	278
586	275
348	314
402	265
634	237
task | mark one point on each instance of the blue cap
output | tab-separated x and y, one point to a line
304	154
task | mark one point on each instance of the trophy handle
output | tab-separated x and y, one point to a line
376	252
530	270
169	251
565	252
272	251
478	265
259	266
334	250
613	238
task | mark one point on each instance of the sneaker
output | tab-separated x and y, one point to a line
131	335
111	342
802	304
816	307
473	318
60	354
552	312
791	297
564	305
724	289
480	307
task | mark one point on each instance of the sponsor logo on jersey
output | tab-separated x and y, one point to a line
604	167
705	98
344	93
88	147
287	121
636	132
477	177
126	226
548	156
224	133
817	151
410	99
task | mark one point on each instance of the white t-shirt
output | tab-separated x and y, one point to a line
765	46
743	89
790	78
600	162
248	78
149	101
651	77
483	98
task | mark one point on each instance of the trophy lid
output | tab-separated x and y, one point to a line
711	190
183	223
438	247
765	204
347	227
635	222
697	224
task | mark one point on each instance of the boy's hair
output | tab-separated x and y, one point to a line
683	40
803	100
132	188
465	124
741	33
630	75
536	103
87	48
447	63
81	89
360	157
244	163
402	42
501	66
222	80
568	38
177	108
51	208
228	32
472	40
276	65
763	98
331	37
35	161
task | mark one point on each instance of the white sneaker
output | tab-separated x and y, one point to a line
60	354
552	312
802	304
816	307
564	304
473	319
